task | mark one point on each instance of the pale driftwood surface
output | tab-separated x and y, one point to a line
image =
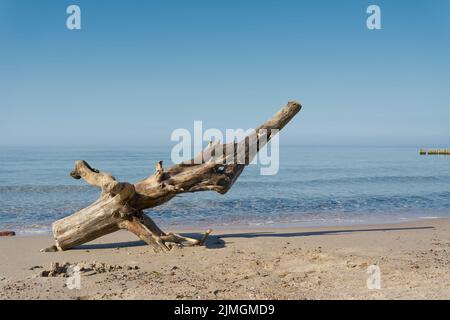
121	204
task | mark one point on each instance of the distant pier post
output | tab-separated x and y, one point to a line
445	152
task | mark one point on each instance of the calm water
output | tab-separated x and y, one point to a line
315	186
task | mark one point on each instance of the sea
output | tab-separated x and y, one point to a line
314	186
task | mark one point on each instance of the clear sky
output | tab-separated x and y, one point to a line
139	69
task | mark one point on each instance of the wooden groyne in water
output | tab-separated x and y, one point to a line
435	152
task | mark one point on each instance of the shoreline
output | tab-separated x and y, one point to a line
256	226
246	263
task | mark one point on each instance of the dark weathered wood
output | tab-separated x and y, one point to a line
7	233
121	204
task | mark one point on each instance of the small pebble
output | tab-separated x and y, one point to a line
36	267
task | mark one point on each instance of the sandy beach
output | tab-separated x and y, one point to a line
288	263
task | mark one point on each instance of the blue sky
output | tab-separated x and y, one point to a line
139	69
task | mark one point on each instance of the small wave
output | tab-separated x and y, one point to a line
311	203
45	188
425	218
352	180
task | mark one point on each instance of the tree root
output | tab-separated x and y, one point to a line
149	232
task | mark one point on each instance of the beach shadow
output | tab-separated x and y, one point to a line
217	242
313	233
213	242
113	245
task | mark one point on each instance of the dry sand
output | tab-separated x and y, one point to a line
288	263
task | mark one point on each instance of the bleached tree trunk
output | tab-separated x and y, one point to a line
121	204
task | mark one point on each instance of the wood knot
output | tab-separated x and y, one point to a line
74	174
159	166
159	173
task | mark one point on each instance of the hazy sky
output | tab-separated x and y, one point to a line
139	69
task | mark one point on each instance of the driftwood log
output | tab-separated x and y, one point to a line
121	205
